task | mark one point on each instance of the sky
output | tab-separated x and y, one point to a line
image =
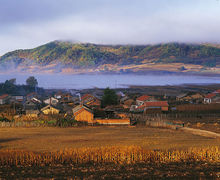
30	23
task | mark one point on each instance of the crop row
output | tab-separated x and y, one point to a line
116	154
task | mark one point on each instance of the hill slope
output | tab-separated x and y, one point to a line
59	55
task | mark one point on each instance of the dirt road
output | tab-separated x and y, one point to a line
199	132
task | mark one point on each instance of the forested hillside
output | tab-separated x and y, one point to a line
92	55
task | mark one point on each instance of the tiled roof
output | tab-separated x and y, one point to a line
211	95
143	98
48	106
154	104
79	108
4	96
181	95
217	91
31	94
86	96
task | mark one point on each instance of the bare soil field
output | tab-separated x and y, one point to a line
111	171
50	139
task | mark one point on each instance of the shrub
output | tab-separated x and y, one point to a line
3	119
66	122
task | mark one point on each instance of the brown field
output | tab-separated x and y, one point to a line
107	152
48	139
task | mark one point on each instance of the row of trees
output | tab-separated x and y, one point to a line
30	81
10	87
109	97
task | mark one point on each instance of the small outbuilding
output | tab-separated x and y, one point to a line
49	109
32	113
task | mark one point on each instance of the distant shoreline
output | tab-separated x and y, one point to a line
150	72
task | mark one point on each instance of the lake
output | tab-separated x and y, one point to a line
85	81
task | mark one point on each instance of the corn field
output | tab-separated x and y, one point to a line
117	155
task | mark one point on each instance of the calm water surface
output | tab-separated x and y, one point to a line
112	81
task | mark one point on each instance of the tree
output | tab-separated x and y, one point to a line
32	81
109	98
9	86
12	81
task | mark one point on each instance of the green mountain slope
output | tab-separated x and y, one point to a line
91	55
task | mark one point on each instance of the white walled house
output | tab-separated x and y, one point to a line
4	99
52	101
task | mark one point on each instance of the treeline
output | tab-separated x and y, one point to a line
91	55
10	87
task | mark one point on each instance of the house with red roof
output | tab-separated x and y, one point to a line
208	98
83	113
4	99
90	100
31	95
154	105
217	91
213	97
144	98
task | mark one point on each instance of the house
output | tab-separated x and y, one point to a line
17	98
216	99
83	113
181	96
120	94
66	98
68	110
31	105
193	98
156	105
217	91
58	95
35	100
144	98
110	117
31	95
127	104
4	99
123	99
134	108
52	101
32	113
90	100
50	109
197	98
212	97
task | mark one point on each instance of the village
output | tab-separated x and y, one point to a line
88	108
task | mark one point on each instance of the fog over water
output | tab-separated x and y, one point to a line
113	81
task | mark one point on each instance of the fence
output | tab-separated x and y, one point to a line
22	124
164	124
185	117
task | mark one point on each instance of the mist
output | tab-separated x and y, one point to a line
27	23
86	81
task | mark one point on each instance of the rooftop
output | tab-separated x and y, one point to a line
4	96
143	98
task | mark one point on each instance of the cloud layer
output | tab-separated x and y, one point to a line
29	23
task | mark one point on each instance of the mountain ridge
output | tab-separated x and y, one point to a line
64	54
